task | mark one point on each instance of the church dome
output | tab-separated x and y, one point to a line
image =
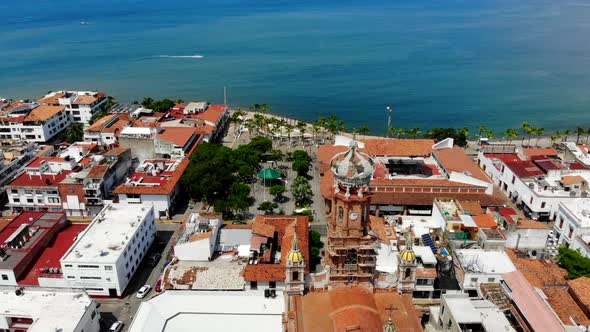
408	255
351	168
295	255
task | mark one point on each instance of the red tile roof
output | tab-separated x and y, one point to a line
398	147
98	125
42	113
165	188
262	229
524	168
264	272
456	160
531	152
508	214
485	221
179	136
530	224
97	171
212	114
474	207
26	180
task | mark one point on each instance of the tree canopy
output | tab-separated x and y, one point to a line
158	105
439	134
301	162
214	174
301	191
573	261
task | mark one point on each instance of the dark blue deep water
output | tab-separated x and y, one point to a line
440	63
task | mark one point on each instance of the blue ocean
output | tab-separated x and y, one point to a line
439	63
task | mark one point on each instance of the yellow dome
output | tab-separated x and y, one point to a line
408	255
295	257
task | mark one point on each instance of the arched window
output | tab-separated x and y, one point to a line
340	214
407	273
295	276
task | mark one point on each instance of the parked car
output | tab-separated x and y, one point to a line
116	327
143	291
158	287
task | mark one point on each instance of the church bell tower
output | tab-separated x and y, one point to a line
351	250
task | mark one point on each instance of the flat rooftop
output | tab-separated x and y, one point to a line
222	273
481	261
473	311
580	207
106	237
50	309
186	311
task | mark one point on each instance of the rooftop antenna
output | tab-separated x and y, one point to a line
389	109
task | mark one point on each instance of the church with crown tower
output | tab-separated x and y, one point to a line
351	250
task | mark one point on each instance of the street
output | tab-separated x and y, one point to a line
112	309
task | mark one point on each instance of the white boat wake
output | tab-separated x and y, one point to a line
196	56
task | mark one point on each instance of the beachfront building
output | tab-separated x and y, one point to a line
104	257
37	188
476	266
210	121
538	184
32	123
572	225
106	130
459	312
410	173
34	309
175	142
80	106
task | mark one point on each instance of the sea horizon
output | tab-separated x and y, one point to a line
457	64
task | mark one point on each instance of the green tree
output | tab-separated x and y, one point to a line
301	191
510	134
301	162
277	191
147	102
482	130
74	133
566	133
539	131
268	207
414	132
525	126
575	264
440	134
579	132
302	127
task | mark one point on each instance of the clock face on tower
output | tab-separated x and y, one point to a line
353	216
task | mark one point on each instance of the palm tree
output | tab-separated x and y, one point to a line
315	129
179	101
530	130
558	134
482	130
567	132
237	120
554	138
414	132
256	107
579	131
265	108
525	127
465	132
259	121
74	133
511	134
397	132
364	130
250	124
490	134
147	102
289	129
302	127
539	131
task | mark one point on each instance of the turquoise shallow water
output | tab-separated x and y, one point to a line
451	63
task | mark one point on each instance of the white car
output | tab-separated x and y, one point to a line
143	291
116	327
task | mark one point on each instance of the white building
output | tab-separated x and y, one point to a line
476	266
572	225
537	186
198	240
460	313
155	183
196	107
107	254
33	123
46	310
106	130
79	105
527	235
177	311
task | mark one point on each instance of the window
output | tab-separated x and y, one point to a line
491	279
88	266
68	265
570	232
407	273
531	201
272	284
474	279
253	285
4	277
513	179
30	200
14	191
108	267
543	205
340	214
71	277
90	278
92	315
53	200
16	200
560	223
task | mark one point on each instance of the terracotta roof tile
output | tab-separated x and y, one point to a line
580	288
179	136
426	273
52	98
485	221
97	171
97	126
456	160
262	229
264	272
530	224
398	147
212	114
473	207
572	179
42	113
565	306
532	152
